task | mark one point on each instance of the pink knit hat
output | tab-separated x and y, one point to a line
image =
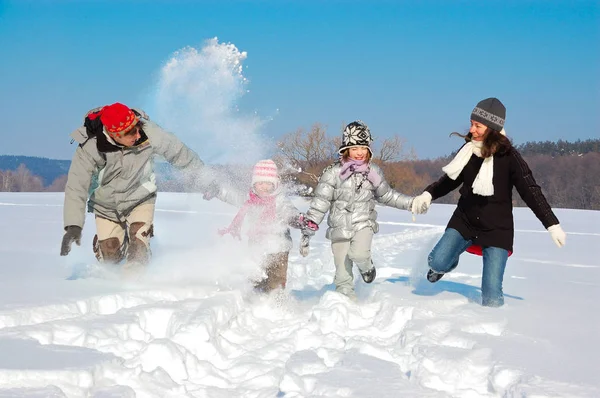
265	171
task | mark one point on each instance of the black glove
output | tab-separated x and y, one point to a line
72	234
211	191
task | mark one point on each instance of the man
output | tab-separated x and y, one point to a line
119	144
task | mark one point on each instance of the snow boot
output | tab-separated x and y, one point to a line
109	251
369	276
433	276
139	243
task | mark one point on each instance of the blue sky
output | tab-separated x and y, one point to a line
410	68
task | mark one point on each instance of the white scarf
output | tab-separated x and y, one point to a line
483	181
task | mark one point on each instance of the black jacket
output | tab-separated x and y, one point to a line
488	220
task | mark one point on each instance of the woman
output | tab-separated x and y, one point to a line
488	167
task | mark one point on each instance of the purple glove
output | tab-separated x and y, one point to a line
308	226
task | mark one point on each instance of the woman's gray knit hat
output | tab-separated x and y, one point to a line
490	112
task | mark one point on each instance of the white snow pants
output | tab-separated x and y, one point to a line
348	252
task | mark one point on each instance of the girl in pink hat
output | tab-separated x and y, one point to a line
266	214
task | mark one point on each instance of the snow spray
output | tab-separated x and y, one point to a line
197	96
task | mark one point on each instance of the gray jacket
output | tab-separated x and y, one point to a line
125	176
275	237
351	205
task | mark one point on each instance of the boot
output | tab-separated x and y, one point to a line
139	250
369	276
109	251
275	266
433	276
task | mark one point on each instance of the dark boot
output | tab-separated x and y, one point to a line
433	276
138	254
369	276
139	251
276	268
109	250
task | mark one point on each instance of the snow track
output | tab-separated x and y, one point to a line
173	338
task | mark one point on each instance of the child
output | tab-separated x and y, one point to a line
268	214
349	189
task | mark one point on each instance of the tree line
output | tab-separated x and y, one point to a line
23	180
568	172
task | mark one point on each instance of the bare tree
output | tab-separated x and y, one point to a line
7	181
20	180
391	150
58	185
307	151
402	177
308	147
24	181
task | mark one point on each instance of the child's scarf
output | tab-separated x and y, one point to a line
352	166
267	217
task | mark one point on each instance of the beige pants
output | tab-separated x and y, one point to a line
110	244
348	252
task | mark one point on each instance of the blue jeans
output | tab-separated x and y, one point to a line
444	258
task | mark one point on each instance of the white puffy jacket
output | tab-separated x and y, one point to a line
351	202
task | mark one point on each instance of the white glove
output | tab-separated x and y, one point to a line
421	203
558	235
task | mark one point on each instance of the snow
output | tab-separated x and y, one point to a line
198	94
192	328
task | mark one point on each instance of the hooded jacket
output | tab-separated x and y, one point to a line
125	175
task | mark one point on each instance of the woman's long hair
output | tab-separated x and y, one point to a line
494	143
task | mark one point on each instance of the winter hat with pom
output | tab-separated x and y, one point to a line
265	171
116	118
490	112
356	134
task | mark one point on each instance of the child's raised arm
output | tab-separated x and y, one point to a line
223	190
